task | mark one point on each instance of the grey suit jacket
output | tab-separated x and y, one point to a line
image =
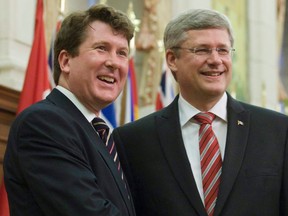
56	164
254	179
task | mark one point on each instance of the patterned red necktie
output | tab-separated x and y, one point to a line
103	130
211	161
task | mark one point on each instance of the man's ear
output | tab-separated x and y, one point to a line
170	60
63	60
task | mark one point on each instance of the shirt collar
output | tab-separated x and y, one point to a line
87	113
187	111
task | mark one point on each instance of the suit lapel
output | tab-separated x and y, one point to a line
62	101
174	151
111	165
125	192
237	135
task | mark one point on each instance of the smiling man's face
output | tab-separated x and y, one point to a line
202	78
98	74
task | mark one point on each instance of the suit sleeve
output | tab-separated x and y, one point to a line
51	159
284	193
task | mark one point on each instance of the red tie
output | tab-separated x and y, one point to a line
211	162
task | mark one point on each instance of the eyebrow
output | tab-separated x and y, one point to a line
208	45
105	43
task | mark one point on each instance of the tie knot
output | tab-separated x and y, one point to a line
204	117
101	127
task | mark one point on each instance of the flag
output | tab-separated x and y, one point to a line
166	92
36	84
129	98
125	108
134	93
108	114
4	209
51	50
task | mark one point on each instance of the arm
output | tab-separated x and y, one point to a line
52	160
284	190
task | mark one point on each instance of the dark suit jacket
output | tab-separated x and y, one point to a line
254	179
55	164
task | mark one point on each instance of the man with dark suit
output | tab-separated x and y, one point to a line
166	156
55	162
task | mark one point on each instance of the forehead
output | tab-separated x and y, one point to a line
208	36
98	30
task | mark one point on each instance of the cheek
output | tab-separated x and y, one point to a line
186	71
228	63
123	78
228	66
77	67
123	71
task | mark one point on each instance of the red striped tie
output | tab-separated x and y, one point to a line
211	162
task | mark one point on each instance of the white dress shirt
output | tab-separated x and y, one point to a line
87	113
190	134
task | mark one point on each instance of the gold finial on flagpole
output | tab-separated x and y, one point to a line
62	7
103	2
136	23
132	16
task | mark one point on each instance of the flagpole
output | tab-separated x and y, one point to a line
62	7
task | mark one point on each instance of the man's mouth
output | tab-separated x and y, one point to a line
107	79
212	73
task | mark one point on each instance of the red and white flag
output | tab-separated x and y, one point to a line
166	90
36	84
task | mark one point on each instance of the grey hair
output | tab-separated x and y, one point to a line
197	19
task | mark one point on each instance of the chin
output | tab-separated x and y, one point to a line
109	100
217	92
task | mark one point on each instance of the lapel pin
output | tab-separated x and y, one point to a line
240	123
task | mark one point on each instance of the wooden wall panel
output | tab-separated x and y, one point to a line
8	107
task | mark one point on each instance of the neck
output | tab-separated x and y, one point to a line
203	103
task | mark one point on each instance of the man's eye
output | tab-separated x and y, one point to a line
223	51
103	48
201	51
123	53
